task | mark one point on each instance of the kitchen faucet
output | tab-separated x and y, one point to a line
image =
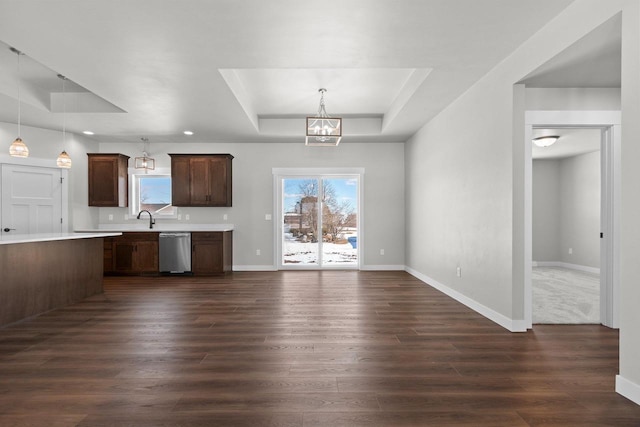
151	220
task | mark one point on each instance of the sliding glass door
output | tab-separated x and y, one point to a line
319	218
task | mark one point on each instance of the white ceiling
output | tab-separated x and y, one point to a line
593	61
249	70
572	142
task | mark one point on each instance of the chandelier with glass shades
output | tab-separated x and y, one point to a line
323	130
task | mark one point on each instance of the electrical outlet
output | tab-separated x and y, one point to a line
381	251
257	251
267	217
570	251
186	217
225	217
458	272
110	217
179	217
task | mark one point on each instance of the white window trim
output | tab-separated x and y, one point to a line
281	173
133	189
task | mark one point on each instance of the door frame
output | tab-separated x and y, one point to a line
281	173
609	122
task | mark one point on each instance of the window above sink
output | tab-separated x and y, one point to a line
152	192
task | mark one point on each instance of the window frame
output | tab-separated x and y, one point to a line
134	191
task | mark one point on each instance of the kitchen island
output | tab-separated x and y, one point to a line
41	272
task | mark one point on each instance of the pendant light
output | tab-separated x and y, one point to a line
18	148
145	162
64	161
323	130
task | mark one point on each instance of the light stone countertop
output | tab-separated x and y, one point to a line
9	239
158	228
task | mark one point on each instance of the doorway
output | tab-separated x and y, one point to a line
319	220
566	226
608	124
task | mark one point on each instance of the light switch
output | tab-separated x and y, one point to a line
267	217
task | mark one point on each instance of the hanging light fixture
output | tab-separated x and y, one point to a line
145	162
545	141
323	130
18	148
64	161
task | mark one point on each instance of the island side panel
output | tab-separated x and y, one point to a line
40	276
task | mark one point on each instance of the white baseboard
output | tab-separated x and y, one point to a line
494	316
254	268
628	389
363	268
578	267
382	268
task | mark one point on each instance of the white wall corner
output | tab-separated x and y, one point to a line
628	389
502	320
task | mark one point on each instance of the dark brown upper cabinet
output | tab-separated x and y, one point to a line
201	179
108	180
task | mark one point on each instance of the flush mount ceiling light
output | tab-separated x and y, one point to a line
323	130
545	141
18	148
63	160
188	132
145	162
88	132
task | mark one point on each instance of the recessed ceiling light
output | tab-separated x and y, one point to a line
88	132
188	132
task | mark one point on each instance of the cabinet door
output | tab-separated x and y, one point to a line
200	181
207	253
220	181
180	179
207	257
108	180
145	257
123	256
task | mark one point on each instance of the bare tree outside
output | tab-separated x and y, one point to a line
336	214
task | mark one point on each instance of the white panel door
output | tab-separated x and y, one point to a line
31	199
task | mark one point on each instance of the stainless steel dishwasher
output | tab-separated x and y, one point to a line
175	253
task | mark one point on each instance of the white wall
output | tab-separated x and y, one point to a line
566	210
45	145
580	211
253	195
465	180
573	99
546	210
629	380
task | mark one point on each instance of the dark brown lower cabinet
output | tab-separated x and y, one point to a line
132	253
136	253
211	252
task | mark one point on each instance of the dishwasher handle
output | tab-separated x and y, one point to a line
173	235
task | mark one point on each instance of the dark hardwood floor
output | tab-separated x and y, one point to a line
300	349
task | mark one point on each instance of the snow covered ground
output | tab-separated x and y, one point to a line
307	253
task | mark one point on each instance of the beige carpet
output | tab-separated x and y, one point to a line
565	296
